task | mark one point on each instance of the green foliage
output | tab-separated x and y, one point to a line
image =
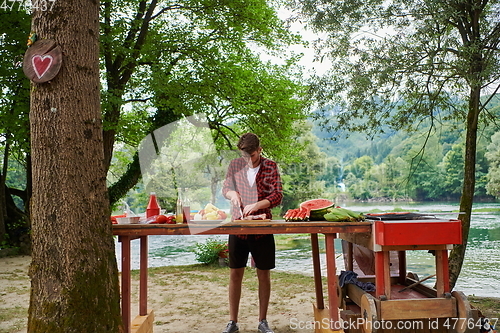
14	126
163	61
210	251
493	156
302	178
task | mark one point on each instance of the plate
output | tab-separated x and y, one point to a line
128	220
207	221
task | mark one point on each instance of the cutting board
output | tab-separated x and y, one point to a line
251	221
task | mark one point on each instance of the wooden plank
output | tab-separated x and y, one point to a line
418	232
125	282
412	247
273	227
379	274
352	320
421	288
318	284
443	276
255	222
349	256
402	266
402	309
321	320
364	239
332	282
143	277
387	273
143	324
354	292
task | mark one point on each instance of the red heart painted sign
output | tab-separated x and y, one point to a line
42	61
41	64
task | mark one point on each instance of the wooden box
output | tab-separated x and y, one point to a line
418	232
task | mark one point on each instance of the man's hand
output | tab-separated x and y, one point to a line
235	198
249	209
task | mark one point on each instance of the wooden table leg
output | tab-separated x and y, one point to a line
331	271
143	277
125	240
318	285
350	256
382	275
402	266
442	273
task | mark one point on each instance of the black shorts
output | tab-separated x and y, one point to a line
261	247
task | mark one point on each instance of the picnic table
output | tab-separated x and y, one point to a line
143	323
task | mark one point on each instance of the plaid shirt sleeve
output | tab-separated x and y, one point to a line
267	185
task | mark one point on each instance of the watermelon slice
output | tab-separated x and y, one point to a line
318	208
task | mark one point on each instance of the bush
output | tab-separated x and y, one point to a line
210	251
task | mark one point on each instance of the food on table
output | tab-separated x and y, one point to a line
311	210
161	219
339	214
254	217
317	208
210	212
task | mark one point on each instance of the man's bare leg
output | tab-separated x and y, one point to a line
264	277
235	281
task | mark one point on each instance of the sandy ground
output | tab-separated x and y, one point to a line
184	300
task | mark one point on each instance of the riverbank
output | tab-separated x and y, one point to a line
192	298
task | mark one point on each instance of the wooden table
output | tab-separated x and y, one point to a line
126	233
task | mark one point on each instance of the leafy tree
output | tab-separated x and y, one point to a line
389	177
361	166
15	191
493	156
332	172
300	177
453	170
163	61
358	180
398	63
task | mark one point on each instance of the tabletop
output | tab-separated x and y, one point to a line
239	228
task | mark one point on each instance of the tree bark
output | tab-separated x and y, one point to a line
74	275
3	194
472	40
457	255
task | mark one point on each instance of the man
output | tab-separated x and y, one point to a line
253	184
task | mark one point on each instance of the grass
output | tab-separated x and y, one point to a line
489	306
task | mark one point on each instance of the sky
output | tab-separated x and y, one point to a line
307	61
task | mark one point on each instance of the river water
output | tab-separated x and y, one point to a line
480	275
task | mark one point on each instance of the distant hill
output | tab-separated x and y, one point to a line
347	146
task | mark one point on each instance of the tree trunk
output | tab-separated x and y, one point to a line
3	202
473	42
458	253
74	277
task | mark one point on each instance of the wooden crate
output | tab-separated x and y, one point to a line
427	232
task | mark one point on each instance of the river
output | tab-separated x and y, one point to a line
480	275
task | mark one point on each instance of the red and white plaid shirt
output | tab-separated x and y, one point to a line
267	185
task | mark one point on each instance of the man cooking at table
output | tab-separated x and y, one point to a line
253	184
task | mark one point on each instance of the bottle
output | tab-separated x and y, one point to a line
186	207
153	207
179	216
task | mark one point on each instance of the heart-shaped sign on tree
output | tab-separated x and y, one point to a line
41	64
42	61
